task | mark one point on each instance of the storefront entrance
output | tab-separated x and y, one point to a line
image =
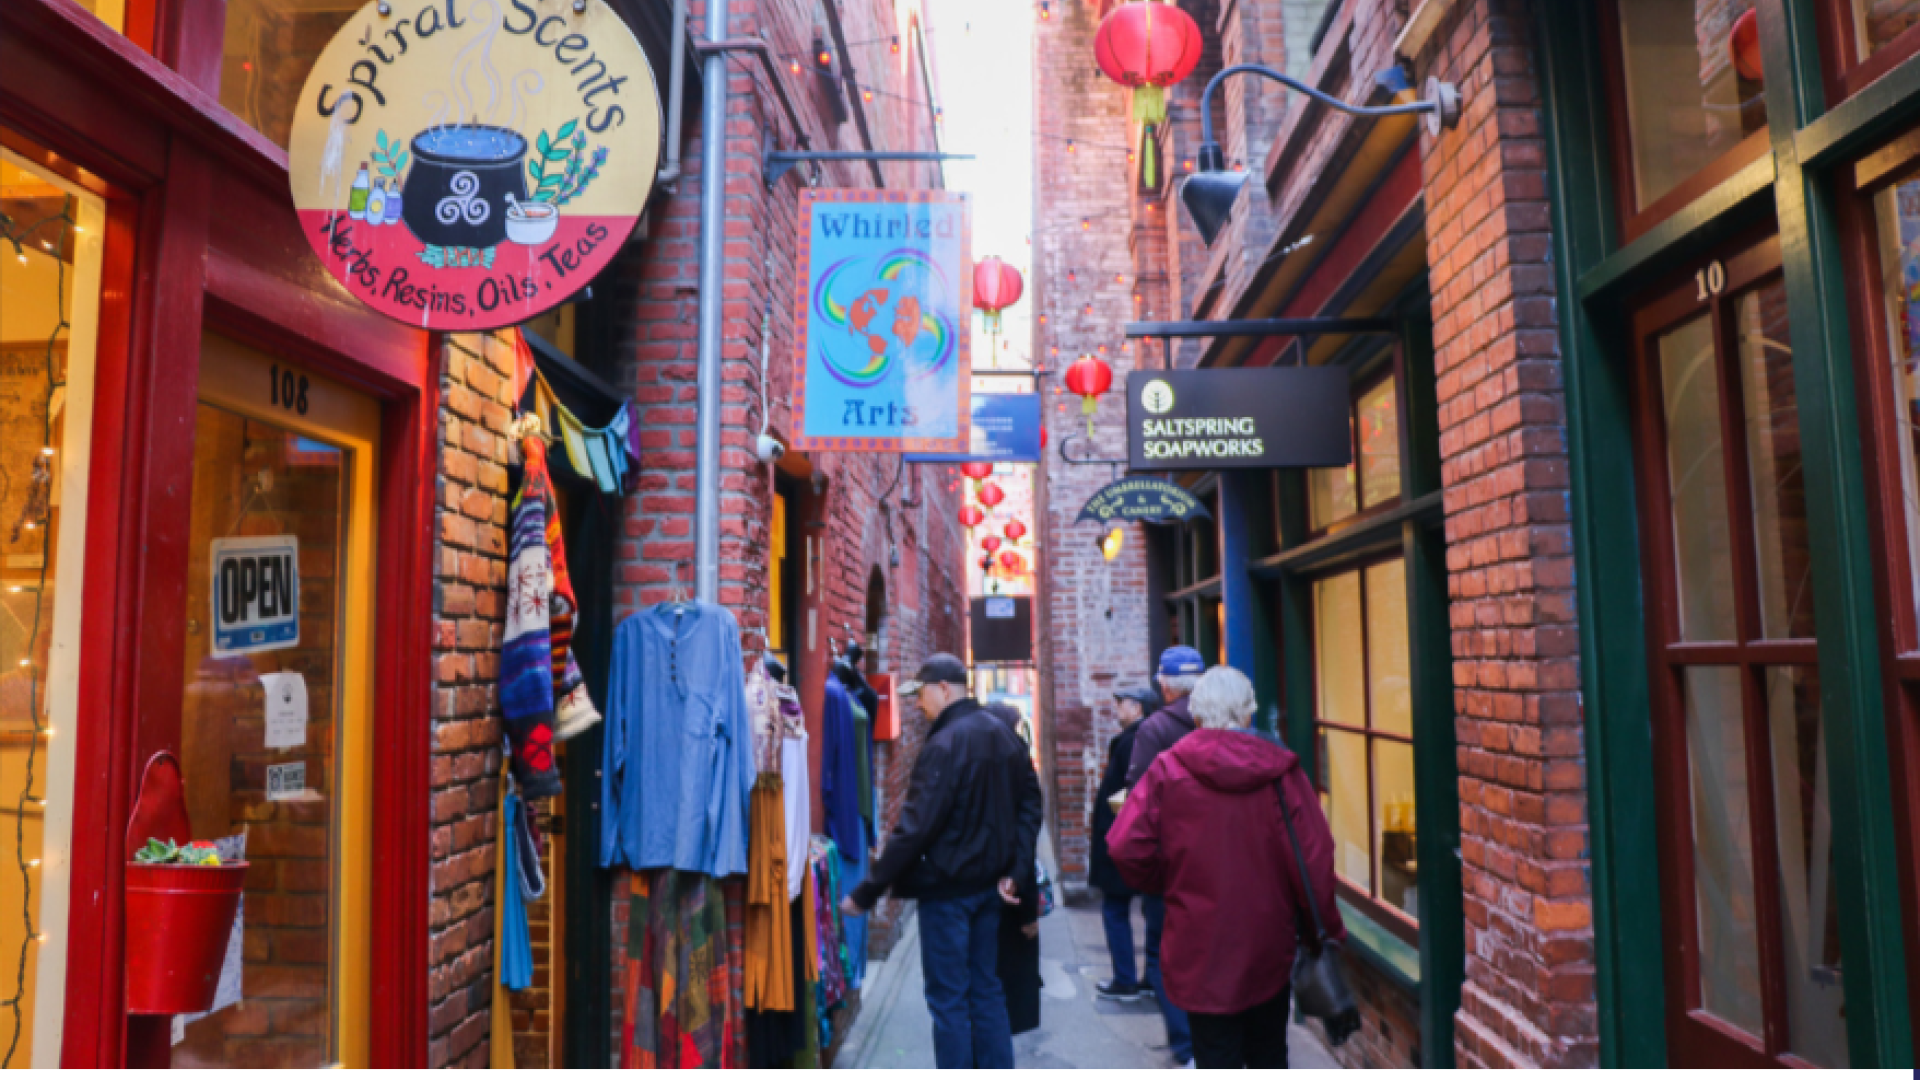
276	713
1749	902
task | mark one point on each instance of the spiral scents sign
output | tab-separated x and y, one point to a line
468	164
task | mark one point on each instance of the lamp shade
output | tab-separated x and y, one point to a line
971	516
1147	44
1209	198
991	495
996	286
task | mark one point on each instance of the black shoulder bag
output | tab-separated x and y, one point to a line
1319	983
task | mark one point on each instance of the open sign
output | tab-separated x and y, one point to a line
255	594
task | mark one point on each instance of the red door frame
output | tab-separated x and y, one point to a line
201	233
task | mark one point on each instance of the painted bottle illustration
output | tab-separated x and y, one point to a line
377	204
357	197
393	203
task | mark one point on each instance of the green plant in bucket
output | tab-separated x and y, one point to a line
167	853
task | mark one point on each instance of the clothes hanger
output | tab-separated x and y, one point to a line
677	595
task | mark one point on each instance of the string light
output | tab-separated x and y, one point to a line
896	45
13	233
794	66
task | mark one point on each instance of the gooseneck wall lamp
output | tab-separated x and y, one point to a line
1209	194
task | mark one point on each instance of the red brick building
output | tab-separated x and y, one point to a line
1552	645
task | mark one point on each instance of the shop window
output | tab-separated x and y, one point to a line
111	12
1688	108
1872	36
50	267
270	46
1373	480
1745	800
1363	726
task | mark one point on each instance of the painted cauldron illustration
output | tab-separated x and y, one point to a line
456	193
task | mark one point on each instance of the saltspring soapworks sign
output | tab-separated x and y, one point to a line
883	301
468	164
1241	418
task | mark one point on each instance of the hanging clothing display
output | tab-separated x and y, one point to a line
769	942
799	793
676	768
826	891
516	947
527	659
778	1040
840	769
607	457
679	1006
863	763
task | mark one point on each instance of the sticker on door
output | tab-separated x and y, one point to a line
255	594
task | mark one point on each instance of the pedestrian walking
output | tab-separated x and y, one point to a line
1203	829
1116	896
1180	669
963	844
1019	952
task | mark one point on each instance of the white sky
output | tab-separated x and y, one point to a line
983	55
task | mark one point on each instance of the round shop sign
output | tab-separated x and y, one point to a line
468	164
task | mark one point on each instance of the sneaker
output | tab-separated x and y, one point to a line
1113	991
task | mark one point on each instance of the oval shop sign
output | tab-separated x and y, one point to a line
468	164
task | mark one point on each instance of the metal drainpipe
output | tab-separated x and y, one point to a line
713	207
676	98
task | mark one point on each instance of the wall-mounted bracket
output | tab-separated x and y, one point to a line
780	162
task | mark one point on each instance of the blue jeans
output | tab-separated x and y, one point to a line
959	953
1116	916
1179	1034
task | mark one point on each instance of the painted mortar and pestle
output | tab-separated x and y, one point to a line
531	223
463	181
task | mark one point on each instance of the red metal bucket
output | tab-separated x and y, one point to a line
178	921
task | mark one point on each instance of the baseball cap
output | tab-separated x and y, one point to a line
1181	660
938	668
1146	698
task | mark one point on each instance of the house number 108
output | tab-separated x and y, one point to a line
288	390
1710	280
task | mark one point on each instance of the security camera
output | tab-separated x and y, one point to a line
768	449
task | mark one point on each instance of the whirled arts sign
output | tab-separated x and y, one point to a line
1142	498
468	164
882	305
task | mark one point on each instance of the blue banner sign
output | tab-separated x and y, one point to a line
1006	427
884	310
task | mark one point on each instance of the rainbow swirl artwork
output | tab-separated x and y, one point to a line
882	310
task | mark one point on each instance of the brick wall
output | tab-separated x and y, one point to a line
1093	614
1528	999
469	613
1389	1035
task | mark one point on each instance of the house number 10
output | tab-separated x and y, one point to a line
1710	281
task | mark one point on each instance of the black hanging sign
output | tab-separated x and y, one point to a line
1240	418
1142	498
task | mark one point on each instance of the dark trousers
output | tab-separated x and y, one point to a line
959	959
1253	1039
1179	1034
1116	917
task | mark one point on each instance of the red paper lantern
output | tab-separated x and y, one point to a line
1148	47
1089	377
971	516
977	470
1743	42
991	544
996	287
991	495
1012	561
1015	531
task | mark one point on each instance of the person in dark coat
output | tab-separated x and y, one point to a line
1203	829
1116	896
1019	960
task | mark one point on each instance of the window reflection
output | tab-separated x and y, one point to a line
270	47
1690	99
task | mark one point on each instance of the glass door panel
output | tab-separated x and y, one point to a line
275	713
49	323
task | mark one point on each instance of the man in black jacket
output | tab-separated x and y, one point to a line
964	843
1116	896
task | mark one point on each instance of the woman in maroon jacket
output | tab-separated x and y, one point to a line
1203	829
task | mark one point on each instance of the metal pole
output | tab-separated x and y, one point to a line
713	211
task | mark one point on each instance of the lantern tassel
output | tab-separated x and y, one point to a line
1149	159
1149	105
1089	405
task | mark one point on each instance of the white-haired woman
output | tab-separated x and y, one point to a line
1203	829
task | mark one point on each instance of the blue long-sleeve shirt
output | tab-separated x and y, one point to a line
840	769
676	775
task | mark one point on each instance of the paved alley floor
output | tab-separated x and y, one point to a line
1077	1030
